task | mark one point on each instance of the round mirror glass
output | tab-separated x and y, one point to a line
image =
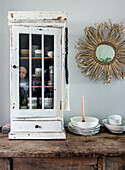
105	53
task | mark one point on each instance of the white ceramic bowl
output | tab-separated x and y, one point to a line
113	128
90	122
25	52
38	51
48	102
115	120
32	98
50	53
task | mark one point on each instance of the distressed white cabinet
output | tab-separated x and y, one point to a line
37	51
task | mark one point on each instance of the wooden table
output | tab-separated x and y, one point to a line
102	151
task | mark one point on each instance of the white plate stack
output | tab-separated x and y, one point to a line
91	125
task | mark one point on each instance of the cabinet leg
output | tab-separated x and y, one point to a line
5	163
100	163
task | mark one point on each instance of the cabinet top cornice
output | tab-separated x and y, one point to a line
36	17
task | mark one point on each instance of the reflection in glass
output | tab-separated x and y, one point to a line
23	70
48	71
105	53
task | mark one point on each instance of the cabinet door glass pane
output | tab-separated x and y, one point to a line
36	71
23	70
36	46
48	71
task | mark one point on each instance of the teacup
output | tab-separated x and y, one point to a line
48	102
115	120
38	72
50	53
51	67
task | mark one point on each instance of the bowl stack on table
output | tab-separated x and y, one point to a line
91	125
114	124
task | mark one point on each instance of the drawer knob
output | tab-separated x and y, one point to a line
14	66
37	126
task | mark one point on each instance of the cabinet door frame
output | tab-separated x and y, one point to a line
16	112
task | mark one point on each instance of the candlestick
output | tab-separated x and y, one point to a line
83	110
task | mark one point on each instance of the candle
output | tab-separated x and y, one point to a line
83	110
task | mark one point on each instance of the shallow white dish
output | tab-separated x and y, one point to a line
113	128
84	130
90	122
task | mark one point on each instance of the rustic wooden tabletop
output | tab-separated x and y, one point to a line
101	144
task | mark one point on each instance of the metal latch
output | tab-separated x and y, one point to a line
60	105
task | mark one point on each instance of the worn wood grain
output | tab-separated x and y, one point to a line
55	163
100	163
114	163
5	164
102	144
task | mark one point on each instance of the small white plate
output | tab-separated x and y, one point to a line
84	132
83	129
113	128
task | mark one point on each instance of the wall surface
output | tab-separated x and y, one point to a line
101	100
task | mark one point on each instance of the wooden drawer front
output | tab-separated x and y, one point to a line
55	163
115	163
36	126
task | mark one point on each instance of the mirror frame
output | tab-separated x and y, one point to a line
104	33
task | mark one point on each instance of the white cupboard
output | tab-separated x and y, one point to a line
37	55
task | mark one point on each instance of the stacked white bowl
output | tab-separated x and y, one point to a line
114	123
91	125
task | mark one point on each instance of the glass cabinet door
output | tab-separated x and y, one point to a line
36	71
37	59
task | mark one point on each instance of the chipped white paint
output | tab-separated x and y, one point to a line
34	18
38	135
36	126
50	122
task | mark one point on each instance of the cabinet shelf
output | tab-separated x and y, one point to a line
36	86
36	58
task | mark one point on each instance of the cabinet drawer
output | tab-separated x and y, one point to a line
55	163
36	126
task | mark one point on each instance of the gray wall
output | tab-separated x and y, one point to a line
101	100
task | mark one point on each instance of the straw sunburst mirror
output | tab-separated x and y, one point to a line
101	56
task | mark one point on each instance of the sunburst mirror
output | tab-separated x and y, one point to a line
101	55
